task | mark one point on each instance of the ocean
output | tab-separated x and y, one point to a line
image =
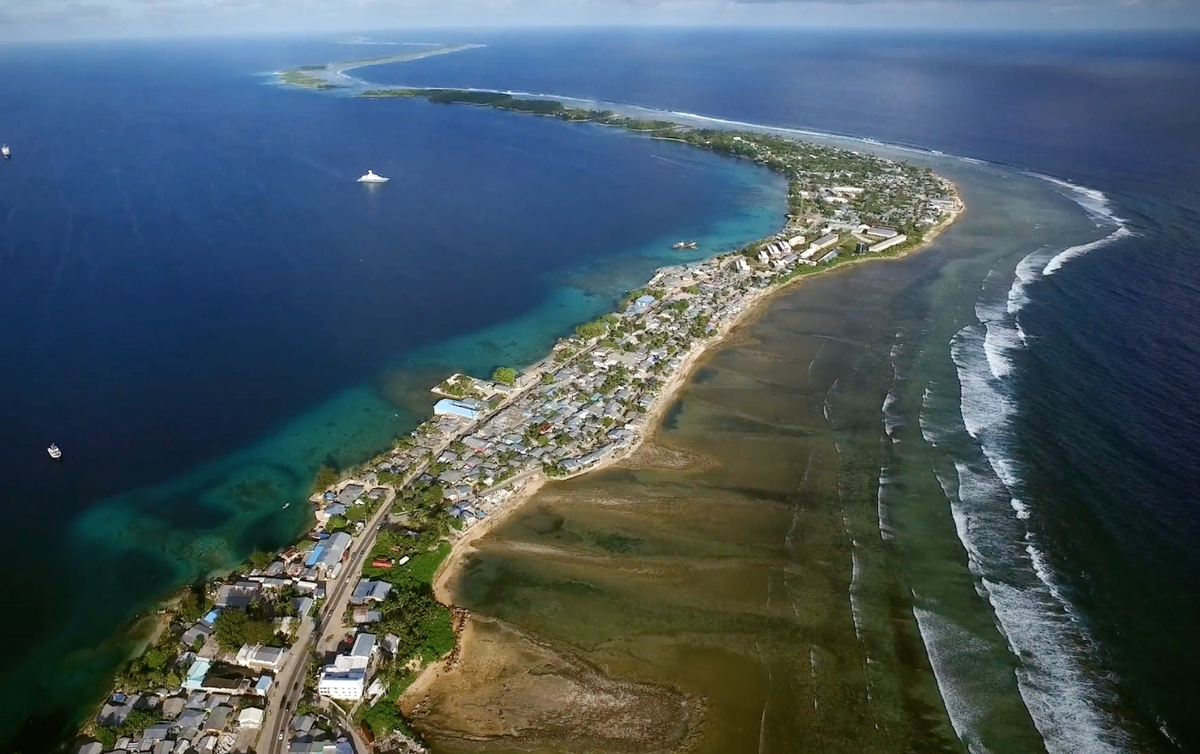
201	307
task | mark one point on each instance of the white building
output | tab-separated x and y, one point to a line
342	684
893	241
881	232
824	242
346	678
261	658
250	717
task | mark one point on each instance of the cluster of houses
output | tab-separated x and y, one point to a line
588	403
569	417
198	721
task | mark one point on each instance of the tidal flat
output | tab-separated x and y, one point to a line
777	567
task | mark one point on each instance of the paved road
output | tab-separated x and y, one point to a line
289	682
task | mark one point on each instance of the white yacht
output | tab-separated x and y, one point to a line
5	152
54	452
370	177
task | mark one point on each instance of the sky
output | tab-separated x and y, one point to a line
22	20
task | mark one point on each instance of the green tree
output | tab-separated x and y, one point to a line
504	375
259	559
235	628
327	476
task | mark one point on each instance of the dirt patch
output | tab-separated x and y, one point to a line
508	688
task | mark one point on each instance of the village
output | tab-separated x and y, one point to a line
308	651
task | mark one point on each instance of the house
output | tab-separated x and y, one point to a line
829	257
172	706
114	714
258	657
303	605
391	643
641	304
458	409
192	718
237	595
250	717
199	631
370	591
263	685
363	614
196	673
219	718
795	241
155	733
93	747
476	444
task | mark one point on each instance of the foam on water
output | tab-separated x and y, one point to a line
1099	208
992	521
886	481
945	642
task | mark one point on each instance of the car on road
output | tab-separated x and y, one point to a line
280	736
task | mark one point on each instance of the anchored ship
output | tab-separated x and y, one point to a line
684	245
5	152
370	177
54	452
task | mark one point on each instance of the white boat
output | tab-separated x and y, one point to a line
370	177
54	452
684	245
287	503
5	151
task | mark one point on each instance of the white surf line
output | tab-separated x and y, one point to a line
762	722
1098	206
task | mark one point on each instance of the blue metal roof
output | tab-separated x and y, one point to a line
316	553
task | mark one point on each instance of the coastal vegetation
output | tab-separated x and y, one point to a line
505	376
593	403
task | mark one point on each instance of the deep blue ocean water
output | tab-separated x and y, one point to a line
199	305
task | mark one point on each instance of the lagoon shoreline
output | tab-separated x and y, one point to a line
648	349
452	568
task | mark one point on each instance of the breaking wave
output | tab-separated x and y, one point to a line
1066	701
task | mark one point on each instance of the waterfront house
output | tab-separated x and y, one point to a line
457	409
889	243
237	595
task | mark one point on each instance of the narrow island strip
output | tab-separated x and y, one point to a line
321	641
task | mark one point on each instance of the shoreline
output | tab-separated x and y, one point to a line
453	565
649	347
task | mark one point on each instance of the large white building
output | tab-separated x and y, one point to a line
346	678
342	684
261	658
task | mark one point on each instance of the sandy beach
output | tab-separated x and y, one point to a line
469	637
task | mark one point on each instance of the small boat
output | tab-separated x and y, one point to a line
5	152
370	177
54	452
684	245
287	503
